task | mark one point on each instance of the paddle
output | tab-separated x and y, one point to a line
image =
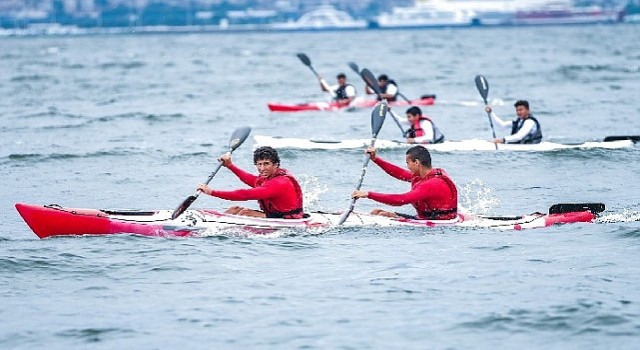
237	138
405	97
354	67
371	81
377	119
561	208
307	62
635	138
483	88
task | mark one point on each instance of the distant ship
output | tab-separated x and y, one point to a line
561	13
322	18
424	14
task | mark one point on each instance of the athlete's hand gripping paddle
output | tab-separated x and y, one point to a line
377	119
237	138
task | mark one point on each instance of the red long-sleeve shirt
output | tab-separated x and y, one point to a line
429	193
279	190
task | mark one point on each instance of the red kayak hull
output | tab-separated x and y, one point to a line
334	106
53	220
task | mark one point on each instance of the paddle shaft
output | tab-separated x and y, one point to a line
404	97
395	119
483	88
377	119
493	131
352	206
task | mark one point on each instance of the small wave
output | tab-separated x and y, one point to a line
33	78
599	68
31	158
137	115
163	117
189	155
583	317
13	264
74	66
123	65
629	233
598	72
94	335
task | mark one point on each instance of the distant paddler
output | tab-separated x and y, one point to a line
388	87
421	129
344	92
433	194
524	129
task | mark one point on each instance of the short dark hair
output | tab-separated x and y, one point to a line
421	154
383	77
521	103
341	76
266	153
415	110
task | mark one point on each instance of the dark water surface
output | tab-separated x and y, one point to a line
138	122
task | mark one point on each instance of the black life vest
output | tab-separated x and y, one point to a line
341	92
532	137
384	90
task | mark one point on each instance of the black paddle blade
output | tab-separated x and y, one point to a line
561	208
183	206
378	114
371	81
483	87
238	137
354	67
304	59
635	139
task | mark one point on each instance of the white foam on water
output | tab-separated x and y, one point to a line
626	215
312	189
475	197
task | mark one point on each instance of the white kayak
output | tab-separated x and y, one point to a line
446	146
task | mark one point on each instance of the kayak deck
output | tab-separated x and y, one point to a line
446	146
54	220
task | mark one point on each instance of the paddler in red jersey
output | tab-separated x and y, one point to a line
276	190
433	194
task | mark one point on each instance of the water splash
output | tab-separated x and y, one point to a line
476	197
312	189
626	215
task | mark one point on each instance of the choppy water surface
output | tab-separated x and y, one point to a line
138	121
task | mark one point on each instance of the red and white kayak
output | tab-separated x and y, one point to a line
334	106
54	220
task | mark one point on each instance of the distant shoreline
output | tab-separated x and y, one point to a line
60	30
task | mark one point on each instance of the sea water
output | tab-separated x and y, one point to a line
137	121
